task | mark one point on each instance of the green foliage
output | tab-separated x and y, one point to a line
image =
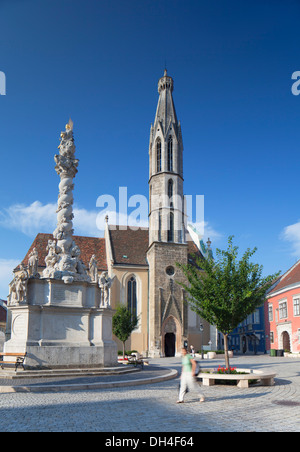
123	323
226	290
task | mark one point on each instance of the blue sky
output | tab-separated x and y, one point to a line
98	62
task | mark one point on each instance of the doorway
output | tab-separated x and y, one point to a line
244	344
170	344
286	344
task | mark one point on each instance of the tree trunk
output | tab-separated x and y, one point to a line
227	364
123	350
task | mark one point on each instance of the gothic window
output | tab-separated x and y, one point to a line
159	225
131	297
170	189
158	155
170	154
171	228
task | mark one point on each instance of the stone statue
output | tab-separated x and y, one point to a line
93	269
105	283
51	259
33	262
18	287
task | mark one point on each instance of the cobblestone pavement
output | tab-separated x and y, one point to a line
153	408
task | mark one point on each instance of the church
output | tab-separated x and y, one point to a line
141	262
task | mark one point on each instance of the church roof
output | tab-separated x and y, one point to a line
129	247
87	245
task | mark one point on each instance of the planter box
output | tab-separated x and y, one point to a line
266	379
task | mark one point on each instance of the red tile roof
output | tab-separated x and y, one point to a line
291	277
87	245
129	246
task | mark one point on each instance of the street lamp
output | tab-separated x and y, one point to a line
201	328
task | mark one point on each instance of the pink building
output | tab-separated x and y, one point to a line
282	312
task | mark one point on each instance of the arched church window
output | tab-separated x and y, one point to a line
170	154
131	297
171	228
158	155
159	225
170	188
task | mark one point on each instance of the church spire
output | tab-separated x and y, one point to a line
165	112
166	216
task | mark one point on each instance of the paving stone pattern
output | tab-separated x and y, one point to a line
153	408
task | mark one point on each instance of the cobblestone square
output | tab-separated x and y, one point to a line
152	407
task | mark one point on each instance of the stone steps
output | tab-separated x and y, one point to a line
53	373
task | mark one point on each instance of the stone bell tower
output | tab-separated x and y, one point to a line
167	241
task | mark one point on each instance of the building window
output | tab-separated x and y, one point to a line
283	310
256	317
271	317
272	337
171	228
158	155
170	189
170	270
170	154
298	336
296	306
159	225
131	297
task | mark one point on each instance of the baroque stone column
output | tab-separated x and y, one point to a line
63	259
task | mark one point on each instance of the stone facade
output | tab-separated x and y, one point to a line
168	323
166	296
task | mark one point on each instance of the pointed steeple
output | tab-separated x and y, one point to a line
165	112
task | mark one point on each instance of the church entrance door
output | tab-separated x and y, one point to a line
170	341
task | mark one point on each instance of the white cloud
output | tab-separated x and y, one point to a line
292	234
205	230
6	275
37	217
29	219
85	222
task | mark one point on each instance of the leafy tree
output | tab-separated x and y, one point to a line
226	290
123	324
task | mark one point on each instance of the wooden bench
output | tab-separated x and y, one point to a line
19	360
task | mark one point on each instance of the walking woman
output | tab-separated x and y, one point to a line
188	380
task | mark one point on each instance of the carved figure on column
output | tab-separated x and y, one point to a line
51	259
93	269
33	262
105	283
18	288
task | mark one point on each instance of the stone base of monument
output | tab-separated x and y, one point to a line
62	326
